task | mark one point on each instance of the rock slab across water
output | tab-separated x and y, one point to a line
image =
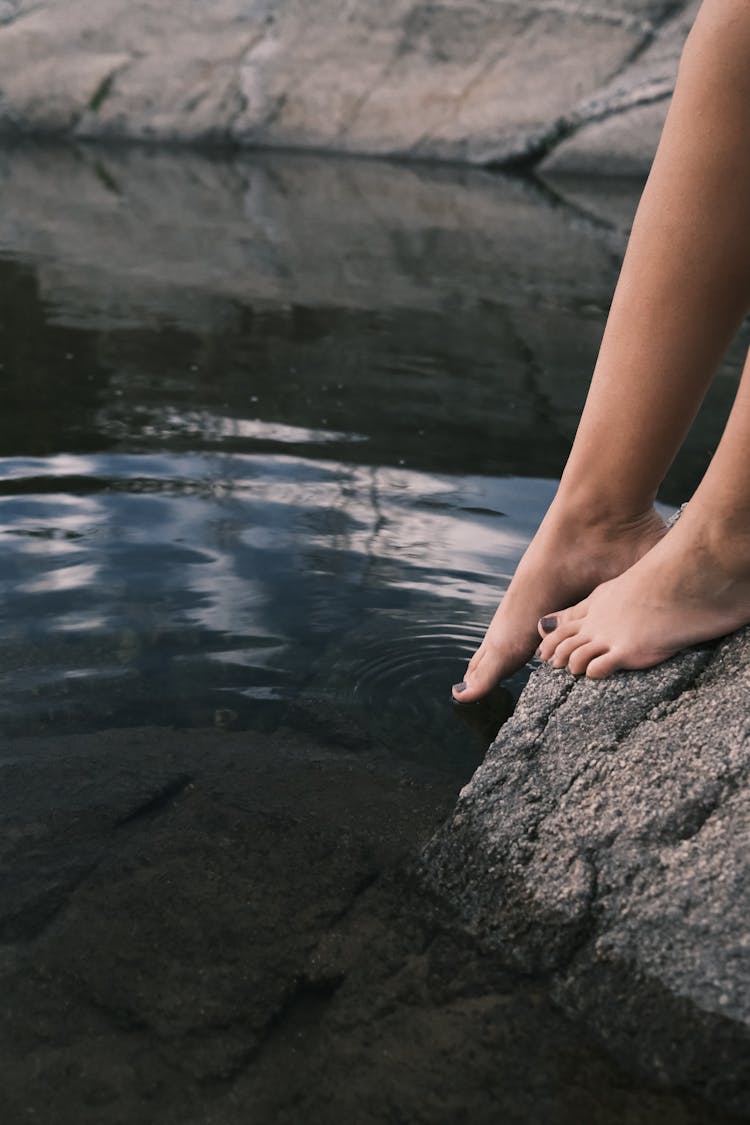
452	81
605	841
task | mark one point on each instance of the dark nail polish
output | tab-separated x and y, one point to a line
548	624
460	687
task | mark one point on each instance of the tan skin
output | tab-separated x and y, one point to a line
683	290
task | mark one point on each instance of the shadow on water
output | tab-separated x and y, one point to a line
275	431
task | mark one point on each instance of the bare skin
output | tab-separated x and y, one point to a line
693	586
683	291
576	553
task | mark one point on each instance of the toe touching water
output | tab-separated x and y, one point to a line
647	595
571	554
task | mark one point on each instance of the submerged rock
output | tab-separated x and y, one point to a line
205	927
605	840
452	81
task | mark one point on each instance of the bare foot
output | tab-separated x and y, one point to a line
573	551
693	586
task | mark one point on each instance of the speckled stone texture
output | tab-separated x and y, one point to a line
606	840
457	80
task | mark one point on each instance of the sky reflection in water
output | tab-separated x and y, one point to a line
274	432
204	581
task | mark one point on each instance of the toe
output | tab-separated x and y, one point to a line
602	666
458	690
491	663
476	659
563	652
582	657
480	676
565	626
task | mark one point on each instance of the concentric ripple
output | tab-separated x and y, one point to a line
398	674
413	662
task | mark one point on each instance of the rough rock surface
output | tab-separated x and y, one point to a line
605	841
617	130
450	80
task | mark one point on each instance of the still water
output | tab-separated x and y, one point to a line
275	431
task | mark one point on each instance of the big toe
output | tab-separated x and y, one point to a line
476	683
487	668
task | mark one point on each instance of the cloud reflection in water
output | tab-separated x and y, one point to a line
287	576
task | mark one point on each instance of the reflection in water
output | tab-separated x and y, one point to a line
212	428
275	431
61	578
252	581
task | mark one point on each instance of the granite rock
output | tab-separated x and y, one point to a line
616	131
451	81
605	841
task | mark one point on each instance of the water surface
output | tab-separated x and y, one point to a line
275	431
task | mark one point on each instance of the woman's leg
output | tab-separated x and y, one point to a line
693	586
682	292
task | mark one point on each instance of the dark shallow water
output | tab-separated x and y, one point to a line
274	433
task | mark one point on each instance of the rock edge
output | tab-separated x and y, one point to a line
604	841
451	81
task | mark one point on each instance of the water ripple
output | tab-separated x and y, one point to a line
417	660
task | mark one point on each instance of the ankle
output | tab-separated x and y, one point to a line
721	538
586	511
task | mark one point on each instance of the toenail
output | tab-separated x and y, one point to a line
548	624
460	687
